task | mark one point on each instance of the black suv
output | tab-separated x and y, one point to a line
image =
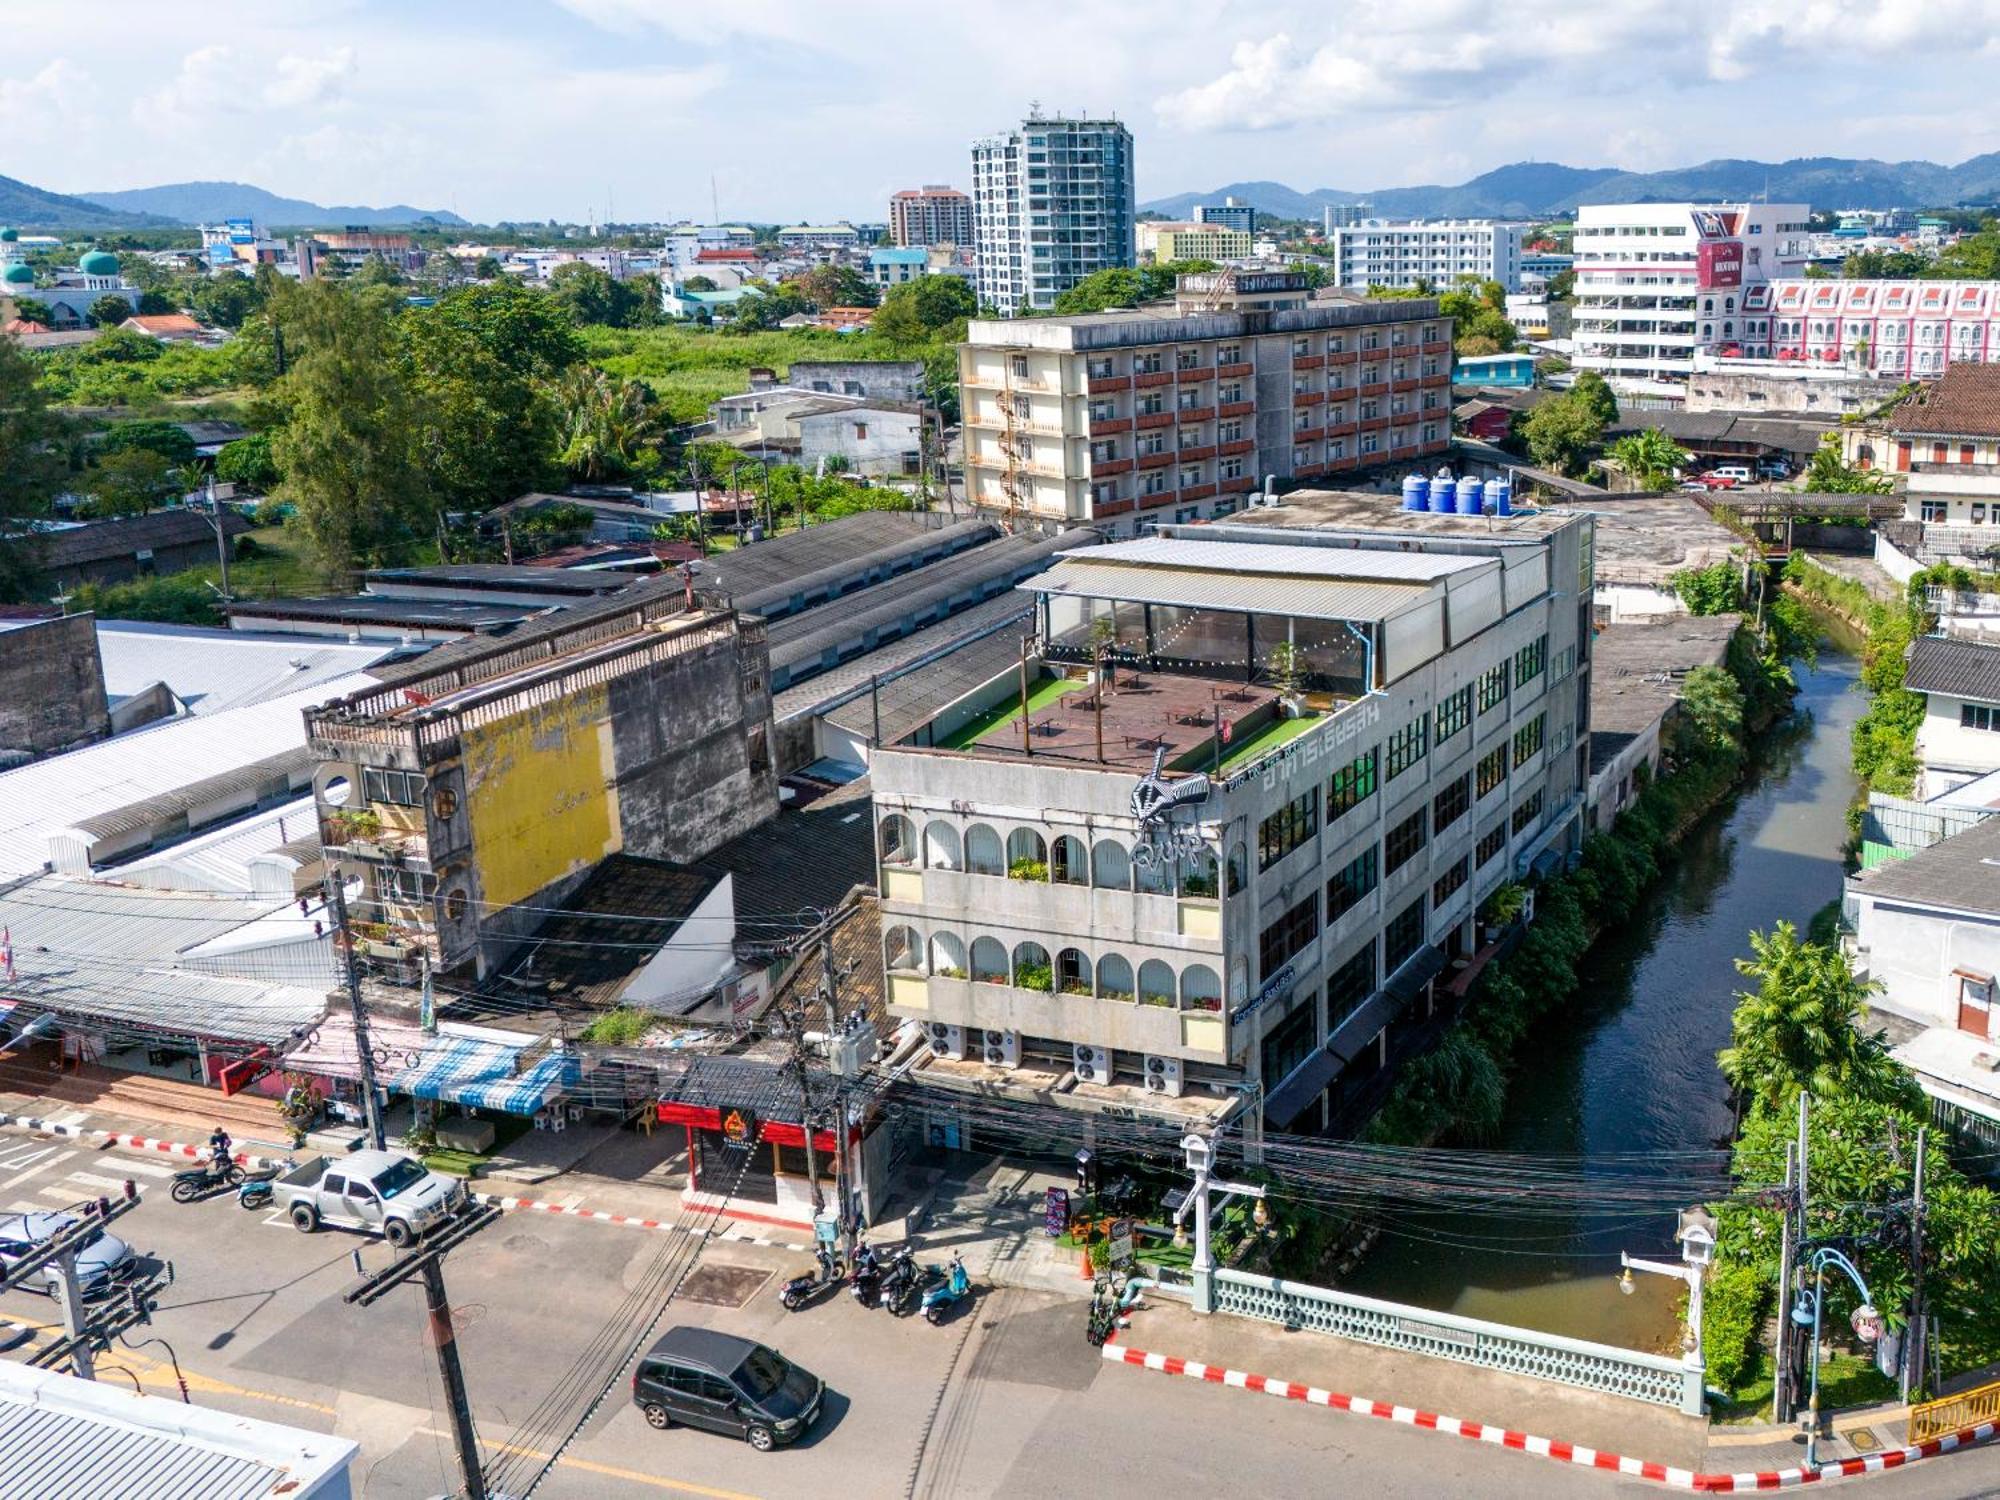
700	1378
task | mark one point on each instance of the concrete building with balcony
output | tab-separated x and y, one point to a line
930	215
1432	252
1959	738
1168	240
1052	204
1656	282
1267	776
483	782
1127	419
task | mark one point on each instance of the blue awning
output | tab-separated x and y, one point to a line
524	1093
451	1064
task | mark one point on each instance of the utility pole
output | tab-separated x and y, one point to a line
81	1361
1913	1335
213	515
1200	1152
371	1099
1781	1366
426	1261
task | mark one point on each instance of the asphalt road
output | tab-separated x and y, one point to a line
1005	1400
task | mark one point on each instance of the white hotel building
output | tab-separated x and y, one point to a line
1165	894
1436	252
1655	282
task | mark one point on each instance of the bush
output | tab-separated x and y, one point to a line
618	1028
1734	1305
247	463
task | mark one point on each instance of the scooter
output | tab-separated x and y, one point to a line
899	1280
199	1182
947	1294
260	1183
800	1290
866	1280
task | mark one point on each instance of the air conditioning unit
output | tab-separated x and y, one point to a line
947	1040
1001	1049
1092	1064
1527	906
1163	1075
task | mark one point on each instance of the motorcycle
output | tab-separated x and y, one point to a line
1103	1320
899	1280
800	1290
866	1279
260	1183
199	1182
942	1298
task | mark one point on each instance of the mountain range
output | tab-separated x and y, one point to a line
1535	189
26	206
212	202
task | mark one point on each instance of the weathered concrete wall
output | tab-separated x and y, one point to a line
51	688
876	379
1713	391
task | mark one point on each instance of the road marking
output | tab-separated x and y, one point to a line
35	1156
23	1206
611	1471
74	1117
60	1193
144	1168
117	1184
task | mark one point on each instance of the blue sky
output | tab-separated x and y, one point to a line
813	109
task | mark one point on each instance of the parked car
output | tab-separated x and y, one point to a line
699	1377
103	1262
377	1192
1773	468
1739	473
1713	481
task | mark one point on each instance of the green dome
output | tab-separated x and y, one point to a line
19	274
8	236
98	263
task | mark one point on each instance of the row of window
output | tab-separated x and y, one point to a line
1978	716
1528	739
1071	972
1026	855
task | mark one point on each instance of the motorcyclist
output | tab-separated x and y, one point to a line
221	1150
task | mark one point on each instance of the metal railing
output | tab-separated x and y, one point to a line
1929	1419
1653	1378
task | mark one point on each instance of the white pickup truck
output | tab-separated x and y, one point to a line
377	1192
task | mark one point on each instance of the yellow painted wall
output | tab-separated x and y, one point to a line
540	796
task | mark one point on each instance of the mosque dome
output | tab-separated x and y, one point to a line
18	274
98	263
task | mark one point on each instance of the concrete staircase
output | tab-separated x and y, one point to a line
171	1110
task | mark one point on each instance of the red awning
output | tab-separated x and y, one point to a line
777	1132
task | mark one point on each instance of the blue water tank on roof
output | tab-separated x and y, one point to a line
1470	491
1416	492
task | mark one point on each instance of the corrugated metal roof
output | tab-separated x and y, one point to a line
57	1456
1958	669
213	670
46	796
1306	598
1958	873
292	768
220	861
1301	561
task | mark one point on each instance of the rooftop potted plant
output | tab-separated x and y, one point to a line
1286	670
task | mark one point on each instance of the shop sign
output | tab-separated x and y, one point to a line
1278	984
1121	1242
739	1129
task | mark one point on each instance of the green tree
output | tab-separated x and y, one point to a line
109	311
29	310
587	294
1595	391
226	299
1829	474
547	527
248	464
836	286
131	482
1708	723
31	467
931	307
154	304
168	439
1974	258
1649	457
1714	590
379	270
1562	432
1127	286
1802	1028
698	284
348	446
607	422
487	267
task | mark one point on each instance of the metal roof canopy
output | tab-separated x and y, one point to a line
1375	564
1240	593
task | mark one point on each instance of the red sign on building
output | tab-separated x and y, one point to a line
1719	263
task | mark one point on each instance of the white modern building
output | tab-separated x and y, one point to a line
1227	875
1959	739
1052	204
1436	252
930	215
1655	282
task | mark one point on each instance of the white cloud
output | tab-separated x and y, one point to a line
298	81
48	104
207	84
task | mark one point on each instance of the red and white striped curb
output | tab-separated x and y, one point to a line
1569	1453
196	1153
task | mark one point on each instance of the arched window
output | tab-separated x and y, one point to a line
941	846
947	955
1200	988
1114	977
904	950
1154	869
1238	864
1031	967
989	961
983	854
1072	972
899	840
1156	984
1071	866
1198	874
1027	855
1111	866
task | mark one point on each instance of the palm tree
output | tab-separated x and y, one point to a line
1650	457
607	419
1801	1027
1829	474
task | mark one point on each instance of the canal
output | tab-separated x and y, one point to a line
1630	1065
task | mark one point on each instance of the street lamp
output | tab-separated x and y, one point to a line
1696	1234
1867	1323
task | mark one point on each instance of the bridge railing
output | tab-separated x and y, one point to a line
1656	1379
1929	1419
